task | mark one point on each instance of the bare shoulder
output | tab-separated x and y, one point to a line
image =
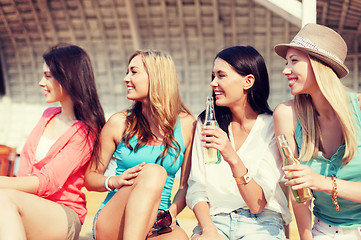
115	125
186	118
117	119
285	109
188	125
285	118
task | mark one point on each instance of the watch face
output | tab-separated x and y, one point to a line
244	179
247	178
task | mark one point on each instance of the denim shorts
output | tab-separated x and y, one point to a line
324	231
242	224
95	222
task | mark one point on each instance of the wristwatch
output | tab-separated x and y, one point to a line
246	178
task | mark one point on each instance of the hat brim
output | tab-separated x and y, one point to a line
340	69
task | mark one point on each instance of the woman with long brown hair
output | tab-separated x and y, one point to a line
45	200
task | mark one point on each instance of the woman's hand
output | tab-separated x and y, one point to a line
302	176
125	179
215	137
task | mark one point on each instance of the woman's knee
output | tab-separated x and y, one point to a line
6	195
152	175
7	199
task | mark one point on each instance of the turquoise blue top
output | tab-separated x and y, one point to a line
349	215
126	158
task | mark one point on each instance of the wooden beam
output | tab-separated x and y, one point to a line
149	22
324	7
291	10
68	22
49	19
119	31
106	61
200	40
184	47
37	21
355	72
133	24
218	27
81	7
234	23
268	47
354	55
17	57
343	16
309	12
30	49
165	23
358	32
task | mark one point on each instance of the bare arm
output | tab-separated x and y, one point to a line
252	193
188	124
201	211
28	184
110	137
285	122
303	215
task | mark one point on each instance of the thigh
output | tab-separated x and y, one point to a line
120	210
111	217
42	218
265	225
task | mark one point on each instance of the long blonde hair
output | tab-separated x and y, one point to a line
335	93
164	100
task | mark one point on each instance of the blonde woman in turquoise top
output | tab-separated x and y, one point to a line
150	142
322	124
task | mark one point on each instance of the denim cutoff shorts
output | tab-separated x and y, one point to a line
242	224
95	222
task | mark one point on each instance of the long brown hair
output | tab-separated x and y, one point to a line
71	67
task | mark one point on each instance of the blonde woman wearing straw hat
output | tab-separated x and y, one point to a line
323	126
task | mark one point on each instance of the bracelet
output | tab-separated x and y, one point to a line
334	193
106	184
246	178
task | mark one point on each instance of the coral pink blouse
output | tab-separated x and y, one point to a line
61	171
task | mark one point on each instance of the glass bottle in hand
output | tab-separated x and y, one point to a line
300	195
211	155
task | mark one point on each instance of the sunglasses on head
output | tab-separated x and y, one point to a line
164	220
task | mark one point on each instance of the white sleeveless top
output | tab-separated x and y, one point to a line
43	148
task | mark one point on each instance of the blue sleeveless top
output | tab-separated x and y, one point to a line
126	158
349	215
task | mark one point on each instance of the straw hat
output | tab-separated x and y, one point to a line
321	42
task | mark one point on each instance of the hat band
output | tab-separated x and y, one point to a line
303	42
